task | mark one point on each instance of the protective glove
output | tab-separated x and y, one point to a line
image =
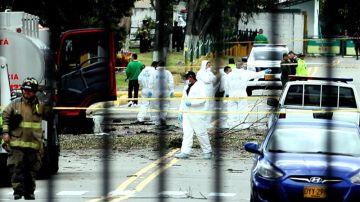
267	71
5	146
149	94
6	138
180	117
188	103
172	94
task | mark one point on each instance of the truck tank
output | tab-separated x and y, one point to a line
22	48
24	52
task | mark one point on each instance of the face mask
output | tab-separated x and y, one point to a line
187	82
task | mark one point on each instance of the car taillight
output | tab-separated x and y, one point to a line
282	116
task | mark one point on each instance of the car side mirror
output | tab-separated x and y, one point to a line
273	102
244	59
253	147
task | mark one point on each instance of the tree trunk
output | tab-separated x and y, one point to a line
163	28
189	47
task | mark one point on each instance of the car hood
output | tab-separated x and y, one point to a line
310	164
265	63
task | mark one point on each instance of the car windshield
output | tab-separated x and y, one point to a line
322	140
268	54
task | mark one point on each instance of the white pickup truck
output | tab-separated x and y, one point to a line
316	97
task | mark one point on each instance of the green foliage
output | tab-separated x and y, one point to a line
337	16
210	16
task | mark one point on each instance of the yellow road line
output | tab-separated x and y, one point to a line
123	186
147	180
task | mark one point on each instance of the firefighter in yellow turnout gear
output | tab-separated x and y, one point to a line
22	135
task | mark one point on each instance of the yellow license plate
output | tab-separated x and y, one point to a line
315	192
269	77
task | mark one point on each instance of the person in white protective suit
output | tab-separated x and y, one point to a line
235	86
206	75
193	121
162	84
224	76
146	91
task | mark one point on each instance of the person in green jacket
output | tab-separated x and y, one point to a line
301	69
132	71
261	38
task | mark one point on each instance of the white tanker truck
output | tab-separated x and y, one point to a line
79	73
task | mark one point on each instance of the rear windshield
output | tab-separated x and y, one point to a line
320	95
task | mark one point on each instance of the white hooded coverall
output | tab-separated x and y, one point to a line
236	83
193	122
164	77
209	79
144	80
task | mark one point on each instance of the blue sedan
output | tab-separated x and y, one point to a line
315	160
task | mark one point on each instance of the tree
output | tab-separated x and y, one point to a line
203	16
337	16
164	18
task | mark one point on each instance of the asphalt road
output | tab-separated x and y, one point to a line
134	175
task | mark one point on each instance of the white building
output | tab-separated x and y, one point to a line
295	21
311	10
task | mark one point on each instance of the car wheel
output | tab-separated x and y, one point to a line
252	199
5	174
50	162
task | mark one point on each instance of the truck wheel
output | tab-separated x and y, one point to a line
50	163
5	174
76	125
249	91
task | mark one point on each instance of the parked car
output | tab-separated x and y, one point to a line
307	160
316	97
266	56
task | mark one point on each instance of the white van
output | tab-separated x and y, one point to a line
266	56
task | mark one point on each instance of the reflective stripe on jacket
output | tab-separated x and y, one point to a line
27	130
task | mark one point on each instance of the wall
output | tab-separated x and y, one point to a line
312	10
289	28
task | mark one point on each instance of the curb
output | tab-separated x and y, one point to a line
123	95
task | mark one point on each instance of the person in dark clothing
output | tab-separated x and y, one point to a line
356	41
343	41
285	69
177	35
144	35
292	62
